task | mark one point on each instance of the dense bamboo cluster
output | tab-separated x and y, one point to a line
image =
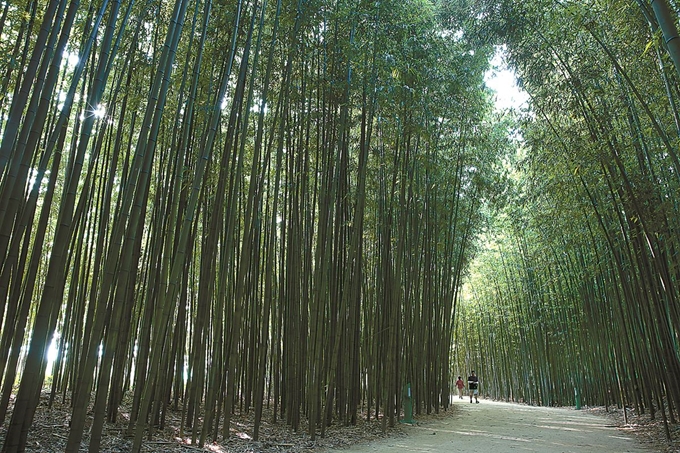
216	206
579	297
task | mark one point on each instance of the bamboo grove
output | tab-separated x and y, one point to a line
576	296
217	206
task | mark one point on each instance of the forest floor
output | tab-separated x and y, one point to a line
485	427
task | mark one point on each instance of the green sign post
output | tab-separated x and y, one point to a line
408	405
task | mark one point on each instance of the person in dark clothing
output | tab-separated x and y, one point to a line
473	386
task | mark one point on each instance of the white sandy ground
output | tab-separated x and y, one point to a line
494	427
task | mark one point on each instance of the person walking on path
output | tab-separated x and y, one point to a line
473	384
461	385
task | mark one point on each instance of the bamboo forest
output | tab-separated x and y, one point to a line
297	208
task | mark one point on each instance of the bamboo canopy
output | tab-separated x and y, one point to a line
218	207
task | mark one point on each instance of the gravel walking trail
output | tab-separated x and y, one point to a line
494	427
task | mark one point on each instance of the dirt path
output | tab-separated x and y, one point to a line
492	427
